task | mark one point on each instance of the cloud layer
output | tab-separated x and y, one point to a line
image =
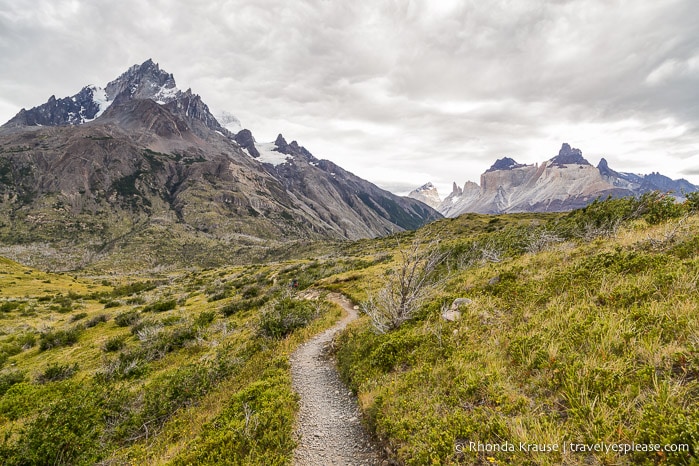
399	92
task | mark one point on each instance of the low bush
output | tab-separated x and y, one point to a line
9	306
204	319
96	320
255	428
132	288
127	365
237	306
56	371
126	319
56	338
161	306
285	315
114	344
26	340
78	316
10	378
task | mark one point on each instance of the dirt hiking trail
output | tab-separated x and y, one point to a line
328	426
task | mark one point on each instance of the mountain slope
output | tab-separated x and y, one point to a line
154	159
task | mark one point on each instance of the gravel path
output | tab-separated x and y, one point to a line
328	428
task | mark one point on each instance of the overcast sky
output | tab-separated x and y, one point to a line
398	92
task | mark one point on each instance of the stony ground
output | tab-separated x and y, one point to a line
328	427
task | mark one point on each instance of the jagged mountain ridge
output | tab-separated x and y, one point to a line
566	181
153	156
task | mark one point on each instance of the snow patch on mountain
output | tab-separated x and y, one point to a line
99	97
166	94
269	154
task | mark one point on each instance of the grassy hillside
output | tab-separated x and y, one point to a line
582	329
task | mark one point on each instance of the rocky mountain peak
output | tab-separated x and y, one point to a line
569	156
245	140
604	169
140	82
505	163
145	81
428	194
281	144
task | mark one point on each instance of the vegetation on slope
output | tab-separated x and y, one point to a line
581	330
189	368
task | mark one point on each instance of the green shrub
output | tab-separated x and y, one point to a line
286	315
127	318
96	320
10	378
132	288
656	207
692	201
9	306
161	306
56	338
127	365
26	340
251	292
55	372
66	431
237	306
62	304
163	396
255	428
78	316
114	344
205	318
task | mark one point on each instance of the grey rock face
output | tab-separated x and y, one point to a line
505	163
246	141
569	156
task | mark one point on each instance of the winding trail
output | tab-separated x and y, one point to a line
328	428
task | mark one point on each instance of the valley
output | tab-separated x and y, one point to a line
578	328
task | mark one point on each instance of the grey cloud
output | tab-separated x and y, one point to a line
419	86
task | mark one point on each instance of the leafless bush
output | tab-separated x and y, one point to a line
669	233
540	240
590	231
480	253
149	333
407	287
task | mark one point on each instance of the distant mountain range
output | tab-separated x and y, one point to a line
565	182
102	170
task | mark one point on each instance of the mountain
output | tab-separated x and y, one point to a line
143	170
428	194
566	181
